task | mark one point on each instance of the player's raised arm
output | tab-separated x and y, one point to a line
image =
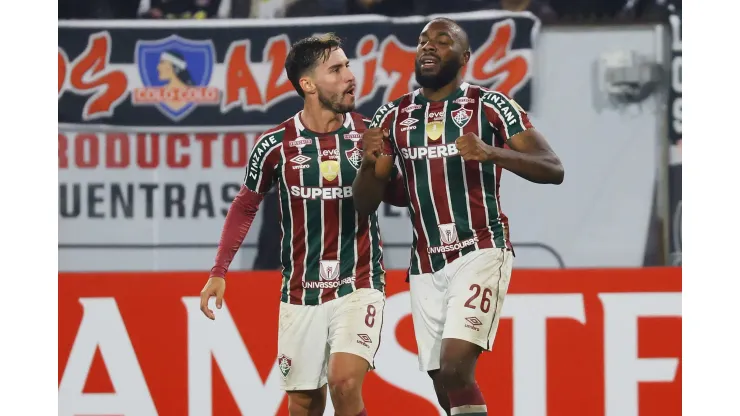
258	180
368	188
530	156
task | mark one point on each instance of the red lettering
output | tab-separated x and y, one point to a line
366	48
235	158
87	151
122	157
494	50
63	62
177	159
399	59
206	145
89	74
152	160
277	51
63	146
239	78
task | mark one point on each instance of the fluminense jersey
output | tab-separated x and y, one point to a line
454	205
327	251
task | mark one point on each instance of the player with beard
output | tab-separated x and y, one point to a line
449	137
333	295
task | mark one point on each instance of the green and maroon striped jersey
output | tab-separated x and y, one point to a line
327	250
454	205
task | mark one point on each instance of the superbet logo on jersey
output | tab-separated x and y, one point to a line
570	342
176	74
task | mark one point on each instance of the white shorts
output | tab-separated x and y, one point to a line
308	335
461	301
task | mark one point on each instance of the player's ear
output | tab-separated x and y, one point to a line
466	57
307	84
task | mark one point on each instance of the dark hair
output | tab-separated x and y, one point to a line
304	55
181	73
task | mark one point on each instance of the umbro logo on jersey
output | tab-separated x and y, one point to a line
301	161
409	122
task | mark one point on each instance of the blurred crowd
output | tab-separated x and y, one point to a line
547	10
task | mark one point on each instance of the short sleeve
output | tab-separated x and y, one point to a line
383	118
504	114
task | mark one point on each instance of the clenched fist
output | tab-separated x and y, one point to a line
374	141
471	147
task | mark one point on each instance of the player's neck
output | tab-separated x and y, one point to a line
441	93
319	119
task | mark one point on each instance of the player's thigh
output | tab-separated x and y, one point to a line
428	312
302	346
356	323
476	297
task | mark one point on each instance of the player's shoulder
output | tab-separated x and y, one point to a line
275	134
495	97
361	122
384	110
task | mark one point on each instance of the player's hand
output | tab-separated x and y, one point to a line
471	147
216	286
372	145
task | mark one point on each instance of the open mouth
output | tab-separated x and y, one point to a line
429	62
350	91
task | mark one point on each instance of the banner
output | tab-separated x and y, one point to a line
156	119
230	72
571	342
675	136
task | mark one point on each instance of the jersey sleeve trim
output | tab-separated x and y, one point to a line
258	166
510	119
380	116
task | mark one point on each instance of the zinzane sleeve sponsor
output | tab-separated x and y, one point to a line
504	114
384	118
263	160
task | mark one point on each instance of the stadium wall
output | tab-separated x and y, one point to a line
596	342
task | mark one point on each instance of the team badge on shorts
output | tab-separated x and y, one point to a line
461	116
284	364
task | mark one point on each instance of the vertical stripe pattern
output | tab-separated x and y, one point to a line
455	205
